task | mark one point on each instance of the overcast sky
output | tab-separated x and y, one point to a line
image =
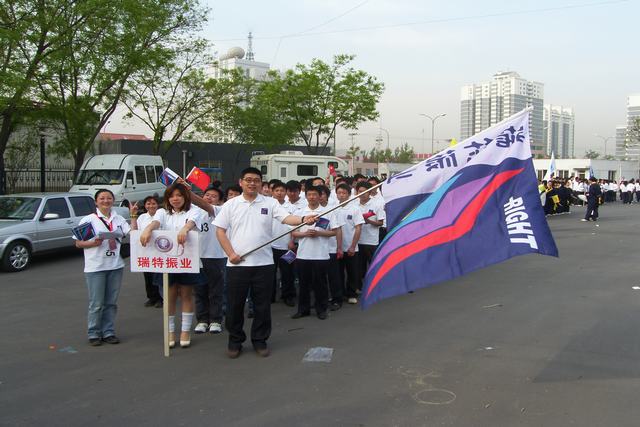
585	53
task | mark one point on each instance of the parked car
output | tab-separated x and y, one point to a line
32	223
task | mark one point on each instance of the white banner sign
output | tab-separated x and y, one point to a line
163	254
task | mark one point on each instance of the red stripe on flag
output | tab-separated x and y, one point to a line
463	225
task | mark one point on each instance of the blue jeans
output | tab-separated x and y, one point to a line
103	287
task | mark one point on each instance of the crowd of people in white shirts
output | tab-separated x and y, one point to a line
324	257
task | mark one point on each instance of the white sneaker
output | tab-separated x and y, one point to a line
352	300
215	328
201	328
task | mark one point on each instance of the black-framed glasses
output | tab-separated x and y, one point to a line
252	180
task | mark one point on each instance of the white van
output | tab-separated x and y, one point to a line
130	177
294	165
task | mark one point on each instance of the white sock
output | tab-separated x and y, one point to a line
187	320
172	323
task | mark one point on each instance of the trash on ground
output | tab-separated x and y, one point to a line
68	350
294	329
637	288
492	306
318	354
52	346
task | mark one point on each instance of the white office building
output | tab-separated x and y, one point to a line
558	128
235	58
621	137
632	148
485	104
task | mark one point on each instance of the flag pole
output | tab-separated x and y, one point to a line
165	312
351	199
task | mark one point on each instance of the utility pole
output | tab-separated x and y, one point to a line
433	120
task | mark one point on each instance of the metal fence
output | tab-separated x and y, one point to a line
28	181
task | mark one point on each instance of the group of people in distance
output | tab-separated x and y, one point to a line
559	194
323	251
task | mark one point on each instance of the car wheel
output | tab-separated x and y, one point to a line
17	256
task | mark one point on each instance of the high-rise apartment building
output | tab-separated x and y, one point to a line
558	131
485	104
621	136
632	148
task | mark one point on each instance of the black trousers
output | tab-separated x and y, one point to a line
336	279
313	276
239	281
287	276
151	287
592	209
209	293
351	266
366	253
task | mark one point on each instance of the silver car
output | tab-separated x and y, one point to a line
37	222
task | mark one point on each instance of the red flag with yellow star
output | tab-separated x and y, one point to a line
198	178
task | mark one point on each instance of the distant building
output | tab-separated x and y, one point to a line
632	149
558	128
613	170
235	58
621	137
485	104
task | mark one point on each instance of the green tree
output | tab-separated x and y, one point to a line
403	154
31	32
317	98
86	79
175	98
591	154
254	118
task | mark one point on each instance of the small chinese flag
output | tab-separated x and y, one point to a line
198	178
332	171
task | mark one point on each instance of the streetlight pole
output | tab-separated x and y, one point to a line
605	139
433	121
387	132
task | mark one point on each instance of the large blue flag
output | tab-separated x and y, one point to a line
467	207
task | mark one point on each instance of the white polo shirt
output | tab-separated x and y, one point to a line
370	234
176	220
209	244
335	222
315	248
101	258
249	224
144	220
351	217
297	207
279	228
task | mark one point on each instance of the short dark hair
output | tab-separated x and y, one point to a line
217	190
344	187
324	189
293	185
364	184
154	197
374	178
315	188
358	176
183	191
278	184
103	190
235	188
317	177
252	170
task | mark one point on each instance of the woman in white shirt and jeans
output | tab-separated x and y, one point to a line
103	268
177	215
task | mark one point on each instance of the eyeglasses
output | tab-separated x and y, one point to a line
252	180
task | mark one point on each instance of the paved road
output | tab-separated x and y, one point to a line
534	341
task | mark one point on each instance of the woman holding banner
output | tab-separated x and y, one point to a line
177	215
103	267
151	280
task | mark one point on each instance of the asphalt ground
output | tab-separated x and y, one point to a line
534	341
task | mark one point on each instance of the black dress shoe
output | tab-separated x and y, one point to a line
335	306
322	315
158	304
95	342
111	340
233	353
149	303
298	315
263	351
290	302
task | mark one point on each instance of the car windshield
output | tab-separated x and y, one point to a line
18	207
100	177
